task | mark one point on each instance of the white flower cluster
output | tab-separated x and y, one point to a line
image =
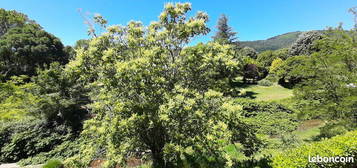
351	85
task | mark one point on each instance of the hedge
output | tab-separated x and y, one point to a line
341	146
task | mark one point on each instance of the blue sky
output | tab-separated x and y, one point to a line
252	19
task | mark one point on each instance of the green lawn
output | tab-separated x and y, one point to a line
268	93
309	129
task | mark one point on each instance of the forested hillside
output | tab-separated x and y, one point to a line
139	95
273	43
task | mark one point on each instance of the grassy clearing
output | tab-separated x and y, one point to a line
308	130
268	93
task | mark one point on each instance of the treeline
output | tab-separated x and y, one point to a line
139	95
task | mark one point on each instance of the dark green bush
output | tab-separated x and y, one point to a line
61	96
65	150
53	164
332	129
256	163
342	146
24	139
268	118
272	78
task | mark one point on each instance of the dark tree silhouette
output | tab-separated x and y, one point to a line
23	49
251	73
225	33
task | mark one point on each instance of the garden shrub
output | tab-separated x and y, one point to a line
53	164
268	118
272	78
65	150
24	139
332	129
342	146
256	163
265	82
61	97
275	65
15	98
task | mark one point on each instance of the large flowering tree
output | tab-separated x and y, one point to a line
152	93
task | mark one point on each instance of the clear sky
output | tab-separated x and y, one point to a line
252	19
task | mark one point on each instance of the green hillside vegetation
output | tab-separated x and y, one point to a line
343	146
273	43
140	96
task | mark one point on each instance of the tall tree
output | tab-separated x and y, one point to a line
331	92
150	93
83	43
12	19
23	49
354	13
304	45
225	34
70	52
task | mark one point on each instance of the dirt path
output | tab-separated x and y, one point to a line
14	165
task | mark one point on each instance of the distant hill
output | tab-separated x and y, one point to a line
273	43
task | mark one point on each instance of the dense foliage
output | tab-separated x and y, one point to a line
40	112
61	97
16	98
293	70
23	49
147	96
154	94
66	149
304	44
342	146
270	118
332	85
24	139
11	19
53	164
25	46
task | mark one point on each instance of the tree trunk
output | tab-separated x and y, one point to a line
158	159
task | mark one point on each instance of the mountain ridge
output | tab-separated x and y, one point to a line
273	43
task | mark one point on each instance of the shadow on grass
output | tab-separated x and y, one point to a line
243	85
250	95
